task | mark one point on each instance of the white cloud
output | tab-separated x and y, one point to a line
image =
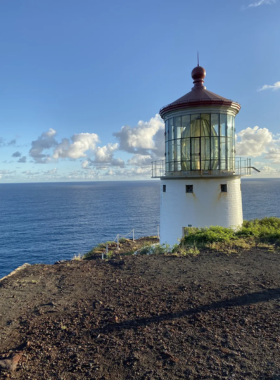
269	169
85	164
274	155
104	154
130	173
110	172
254	141
261	2
45	141
104	157
266	169
84	175
7	172
30	173
81	143
140	160
274	87
51	172
144	138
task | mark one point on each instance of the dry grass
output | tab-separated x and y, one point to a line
126	247
79	256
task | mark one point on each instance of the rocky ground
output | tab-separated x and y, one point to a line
213	316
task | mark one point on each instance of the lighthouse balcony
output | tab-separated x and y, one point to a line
178	169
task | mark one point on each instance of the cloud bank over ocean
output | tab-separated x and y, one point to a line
129	156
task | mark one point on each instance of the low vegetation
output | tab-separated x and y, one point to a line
262	233
126	247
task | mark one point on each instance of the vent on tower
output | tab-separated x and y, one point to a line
224	188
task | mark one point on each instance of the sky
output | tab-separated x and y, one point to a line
82	82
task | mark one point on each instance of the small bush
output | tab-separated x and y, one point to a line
154	249
109	254
79	256
251	234
208	235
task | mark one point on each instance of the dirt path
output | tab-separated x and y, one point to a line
147	317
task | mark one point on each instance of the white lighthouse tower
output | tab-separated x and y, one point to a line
200	178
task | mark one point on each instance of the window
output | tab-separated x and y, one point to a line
189	188
164	188
224	188
200	142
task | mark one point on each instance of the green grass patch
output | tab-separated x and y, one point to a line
262	233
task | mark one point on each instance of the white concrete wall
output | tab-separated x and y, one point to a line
206	206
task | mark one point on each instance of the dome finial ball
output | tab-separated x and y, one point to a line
198	73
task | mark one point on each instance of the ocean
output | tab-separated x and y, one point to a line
47	222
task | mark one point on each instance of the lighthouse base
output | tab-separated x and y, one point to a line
198	202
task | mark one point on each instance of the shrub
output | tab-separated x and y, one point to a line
252	233
208	235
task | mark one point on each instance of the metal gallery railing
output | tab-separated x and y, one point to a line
161	168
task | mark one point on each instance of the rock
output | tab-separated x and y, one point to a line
10	364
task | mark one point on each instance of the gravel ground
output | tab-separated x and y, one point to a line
213	316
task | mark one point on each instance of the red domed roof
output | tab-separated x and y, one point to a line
199	96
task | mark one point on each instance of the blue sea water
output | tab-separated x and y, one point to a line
46	222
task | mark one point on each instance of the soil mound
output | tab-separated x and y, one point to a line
143	317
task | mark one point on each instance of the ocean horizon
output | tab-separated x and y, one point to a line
48	222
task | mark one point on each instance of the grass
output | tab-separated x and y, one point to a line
257	233
263	233
154	249
127	247
79	256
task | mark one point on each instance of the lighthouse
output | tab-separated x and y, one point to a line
200	176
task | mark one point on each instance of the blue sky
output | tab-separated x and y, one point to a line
82	81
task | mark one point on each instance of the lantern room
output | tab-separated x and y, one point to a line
200	131
200	176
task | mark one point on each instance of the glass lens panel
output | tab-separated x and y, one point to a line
229	126
185	149
166	130
214	153
170	150
178	166
195	153
170	129
166	150
205	148
186	126
233	128
174	146
205	165
223	148
205	124
230	154
214	124
223	124
223	165
178	150
166	166
186	165
195	125
177	132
